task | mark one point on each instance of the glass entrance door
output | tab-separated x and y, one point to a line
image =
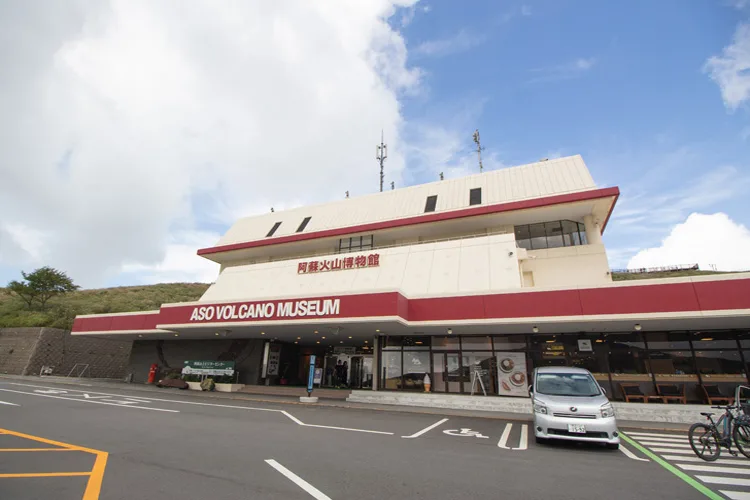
446	368
361	372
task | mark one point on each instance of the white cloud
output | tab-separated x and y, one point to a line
731	70
567	71
129	123
459	42
180	262
706	240
739	4
525	10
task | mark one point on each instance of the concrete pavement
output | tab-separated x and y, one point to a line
165	444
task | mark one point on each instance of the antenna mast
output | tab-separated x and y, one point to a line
479	149
381	153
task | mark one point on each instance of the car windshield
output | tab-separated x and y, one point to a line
566	384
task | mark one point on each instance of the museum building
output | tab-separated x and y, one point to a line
460	283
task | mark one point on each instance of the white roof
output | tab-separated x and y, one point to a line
535	180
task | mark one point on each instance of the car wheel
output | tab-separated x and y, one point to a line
613	446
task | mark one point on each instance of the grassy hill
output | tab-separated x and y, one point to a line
61	311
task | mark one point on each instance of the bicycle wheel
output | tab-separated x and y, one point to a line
703	442
741	436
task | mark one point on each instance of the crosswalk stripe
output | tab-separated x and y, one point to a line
662	440
731	481
665	445
721	461
673	450
651	434
714	469
735	495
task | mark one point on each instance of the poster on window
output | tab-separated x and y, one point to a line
511	374
273	359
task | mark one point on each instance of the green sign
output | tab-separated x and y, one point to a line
208	368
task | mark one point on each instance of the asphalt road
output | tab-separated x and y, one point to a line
175	447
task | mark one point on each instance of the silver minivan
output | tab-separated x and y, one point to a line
570	404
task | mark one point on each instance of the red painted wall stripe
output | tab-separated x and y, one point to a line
423	219
634	299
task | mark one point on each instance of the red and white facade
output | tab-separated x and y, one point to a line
507	252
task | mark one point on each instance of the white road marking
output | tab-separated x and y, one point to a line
722	461
735	495
88	401
426	429
9	404
464	432
651	434
195	403
523	443
504	437
309	488
673	450
714	469
664	445
632	455
731	481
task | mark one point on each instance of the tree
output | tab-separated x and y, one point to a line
41	285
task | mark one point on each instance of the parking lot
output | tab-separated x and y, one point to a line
175	445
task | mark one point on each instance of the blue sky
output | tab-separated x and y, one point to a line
621	83
134	133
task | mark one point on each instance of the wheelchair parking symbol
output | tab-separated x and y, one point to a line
465	432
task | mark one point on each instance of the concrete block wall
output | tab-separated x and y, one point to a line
23	351
16	348
246	353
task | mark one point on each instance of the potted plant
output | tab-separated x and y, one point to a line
224	384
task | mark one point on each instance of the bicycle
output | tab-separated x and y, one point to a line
732	426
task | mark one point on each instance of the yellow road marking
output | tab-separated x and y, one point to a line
94	485
96	476
37	449
47	474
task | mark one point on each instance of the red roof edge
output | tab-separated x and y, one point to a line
423	219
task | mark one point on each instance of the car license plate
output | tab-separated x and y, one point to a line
577	428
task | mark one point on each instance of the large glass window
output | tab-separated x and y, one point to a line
391	372
476	343
659	340
479	366
416	366
552	234
355	244
449	343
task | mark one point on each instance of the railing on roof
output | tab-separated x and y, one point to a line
661	269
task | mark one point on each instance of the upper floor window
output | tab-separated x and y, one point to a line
303	225
555	234
355	244
431	203
273	229
475	196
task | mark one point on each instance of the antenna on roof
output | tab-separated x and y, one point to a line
381	153
479	149
441	176
271	209
393	185
347	194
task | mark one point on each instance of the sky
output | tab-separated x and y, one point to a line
134	132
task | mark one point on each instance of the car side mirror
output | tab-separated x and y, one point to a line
531	390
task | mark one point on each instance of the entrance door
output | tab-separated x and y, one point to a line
446	368
361	372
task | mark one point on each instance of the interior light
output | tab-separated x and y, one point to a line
316	331
377	331
551	341
323	338
450	331
217	334
140	335
418	342
535	329
262	333
299	338
707	338
366	342
176	334
599	341
296	342
350	336
341	341
637	326
317	342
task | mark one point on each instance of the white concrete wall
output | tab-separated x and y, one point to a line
535	180
482	264
568	266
